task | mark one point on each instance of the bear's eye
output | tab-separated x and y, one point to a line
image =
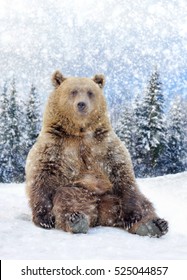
90	93
74	92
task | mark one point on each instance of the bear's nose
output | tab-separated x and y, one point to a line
81	106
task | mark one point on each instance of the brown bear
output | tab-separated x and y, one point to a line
78	173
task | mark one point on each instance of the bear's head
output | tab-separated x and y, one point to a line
77	105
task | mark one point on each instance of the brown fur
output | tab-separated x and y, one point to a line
79	165
73	200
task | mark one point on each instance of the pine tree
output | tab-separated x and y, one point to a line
3	122
12	167
184	121
125	126
176	151
150	142
12	146
18	132
139	138
33	118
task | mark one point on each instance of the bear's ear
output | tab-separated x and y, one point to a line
100	80
57	79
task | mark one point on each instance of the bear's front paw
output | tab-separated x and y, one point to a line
46	221
131	218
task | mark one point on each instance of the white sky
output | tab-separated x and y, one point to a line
36	37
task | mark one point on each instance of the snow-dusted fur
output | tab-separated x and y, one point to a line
78	166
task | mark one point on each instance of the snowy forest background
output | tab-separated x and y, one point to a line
140	46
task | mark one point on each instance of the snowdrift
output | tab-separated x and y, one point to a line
20	239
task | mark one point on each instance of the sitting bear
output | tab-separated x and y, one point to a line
78	173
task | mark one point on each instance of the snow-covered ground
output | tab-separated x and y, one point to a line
20	239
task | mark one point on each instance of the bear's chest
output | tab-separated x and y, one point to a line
81	155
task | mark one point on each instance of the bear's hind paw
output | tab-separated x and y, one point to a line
78	223
162	225
153	228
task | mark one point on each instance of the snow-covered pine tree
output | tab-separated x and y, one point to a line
33	118
125	127
139	138
150	139
12	139
3	123
184	121
176	150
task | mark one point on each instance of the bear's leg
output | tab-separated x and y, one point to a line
111	213
150	224
75	209
41	206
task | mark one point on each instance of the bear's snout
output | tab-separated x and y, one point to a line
81	106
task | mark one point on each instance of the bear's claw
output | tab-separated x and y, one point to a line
47	221
78	223
153	228
133	218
